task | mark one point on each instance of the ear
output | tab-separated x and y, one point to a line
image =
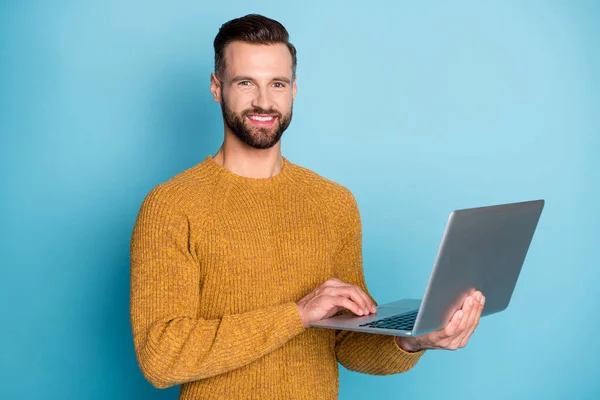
294	89
215	87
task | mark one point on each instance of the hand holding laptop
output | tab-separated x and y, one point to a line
455	335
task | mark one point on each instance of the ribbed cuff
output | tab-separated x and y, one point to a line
297	326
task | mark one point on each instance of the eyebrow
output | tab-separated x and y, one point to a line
248	78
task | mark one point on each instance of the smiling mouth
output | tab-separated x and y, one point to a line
262	120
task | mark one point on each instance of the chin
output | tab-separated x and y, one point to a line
259	146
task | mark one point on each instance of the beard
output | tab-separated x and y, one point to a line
256	137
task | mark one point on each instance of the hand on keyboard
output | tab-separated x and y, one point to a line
330	297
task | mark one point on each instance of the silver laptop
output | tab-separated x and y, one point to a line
482	249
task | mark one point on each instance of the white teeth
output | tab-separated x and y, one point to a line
262	119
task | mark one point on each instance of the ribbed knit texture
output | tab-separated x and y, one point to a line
218	262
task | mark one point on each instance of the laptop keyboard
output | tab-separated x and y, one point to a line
403	322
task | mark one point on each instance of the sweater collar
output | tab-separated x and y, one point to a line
238	179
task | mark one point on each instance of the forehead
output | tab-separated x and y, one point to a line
257	60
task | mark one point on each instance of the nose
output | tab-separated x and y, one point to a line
262	99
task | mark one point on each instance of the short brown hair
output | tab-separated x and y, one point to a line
252	28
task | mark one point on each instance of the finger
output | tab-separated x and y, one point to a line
471	314
370	302
452	327
368	306
475	322
332	312
462	333
467	307
355	294
474	305
464	339
342	301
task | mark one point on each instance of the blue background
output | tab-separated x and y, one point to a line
417	107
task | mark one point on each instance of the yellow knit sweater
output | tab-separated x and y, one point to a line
218	262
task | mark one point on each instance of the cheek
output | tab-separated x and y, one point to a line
238	102
284	103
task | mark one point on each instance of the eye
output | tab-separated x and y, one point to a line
279	85
245	83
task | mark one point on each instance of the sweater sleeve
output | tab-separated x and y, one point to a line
173	343
358	351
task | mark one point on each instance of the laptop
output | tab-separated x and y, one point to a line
482	249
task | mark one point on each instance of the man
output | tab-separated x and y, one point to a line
233	258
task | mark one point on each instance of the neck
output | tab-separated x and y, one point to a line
249	162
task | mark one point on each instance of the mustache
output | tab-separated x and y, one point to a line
258	110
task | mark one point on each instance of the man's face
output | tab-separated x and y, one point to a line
256	92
